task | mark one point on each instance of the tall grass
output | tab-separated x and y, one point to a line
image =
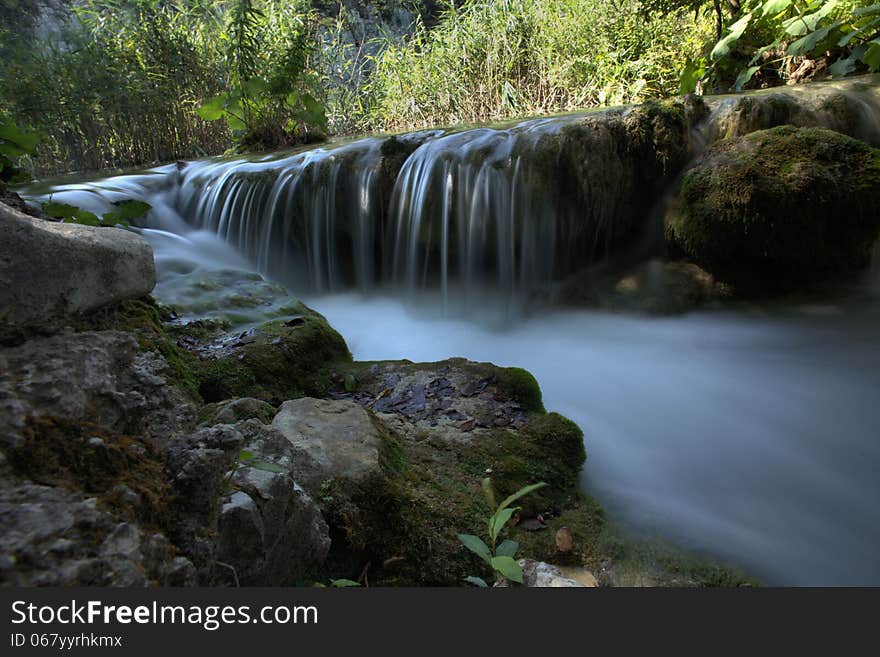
491	60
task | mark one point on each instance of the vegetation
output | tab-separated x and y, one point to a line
115	83
498	556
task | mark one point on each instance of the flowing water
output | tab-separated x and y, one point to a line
749	435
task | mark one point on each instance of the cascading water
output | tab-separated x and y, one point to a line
752	437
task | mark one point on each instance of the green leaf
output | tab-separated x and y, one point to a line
488	491
722	48
497	521
806	44
872	55
692	73
800	25
476	581
245	455
507	548
476	545
744	76
133	208
343	583
773	7
509	568
214	108
26	140
265	466
59	210
522	492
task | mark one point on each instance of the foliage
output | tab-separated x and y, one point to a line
774	41
497	556
268	102
15	143
125	211
495	60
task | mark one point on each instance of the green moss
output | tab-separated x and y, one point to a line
780	208
281	362
519	384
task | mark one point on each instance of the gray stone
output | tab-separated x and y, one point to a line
539	574
95	376
51	271
334	439
246	408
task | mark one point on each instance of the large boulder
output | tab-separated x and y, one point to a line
780	208
52	271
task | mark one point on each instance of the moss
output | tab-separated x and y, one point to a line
520	385
281	362
780	208
126	474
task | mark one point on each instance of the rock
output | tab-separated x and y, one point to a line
265	526
564	540
653	287
95	376
338	438
56	537
272	362
780	209
539	574
51	271
235	410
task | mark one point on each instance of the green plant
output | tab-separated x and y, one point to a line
245	459
125	212
773	34
15	142
498	556
268	101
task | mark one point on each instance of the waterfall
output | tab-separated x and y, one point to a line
470	214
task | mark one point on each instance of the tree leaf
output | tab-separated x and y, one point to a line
773	7
806	44
343	583
132	208
245	455
872	55
476	545
507	548
509	568
476	581
722	48
26	140
59	210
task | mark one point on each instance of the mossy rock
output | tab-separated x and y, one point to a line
780	209
279	360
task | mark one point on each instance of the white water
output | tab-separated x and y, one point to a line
751	438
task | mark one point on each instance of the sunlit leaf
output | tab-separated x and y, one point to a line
722	48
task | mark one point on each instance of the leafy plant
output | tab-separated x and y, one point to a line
268	102
15	142
498	556
773	33
246	459
125	212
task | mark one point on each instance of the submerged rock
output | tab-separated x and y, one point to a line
51	272
780	208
